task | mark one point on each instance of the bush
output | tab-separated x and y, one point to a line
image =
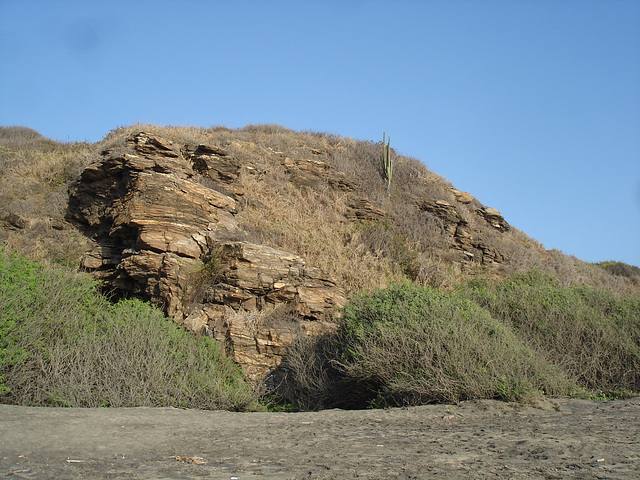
311	378
62	344
409	345
621	269
591	334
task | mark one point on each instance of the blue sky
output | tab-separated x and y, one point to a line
532	106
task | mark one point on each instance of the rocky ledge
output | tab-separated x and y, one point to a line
461	232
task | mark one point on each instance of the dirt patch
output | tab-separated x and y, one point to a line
481	439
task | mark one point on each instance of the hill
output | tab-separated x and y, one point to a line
258	237
311	194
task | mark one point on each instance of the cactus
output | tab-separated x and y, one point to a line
386	160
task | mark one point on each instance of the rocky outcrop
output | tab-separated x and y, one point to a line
217	166
257	299
446	212
493	218
162	233
162	220
251	277
460	231
359	208
462	197
309	172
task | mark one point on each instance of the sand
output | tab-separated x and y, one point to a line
559	438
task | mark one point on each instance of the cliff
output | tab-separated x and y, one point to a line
162	218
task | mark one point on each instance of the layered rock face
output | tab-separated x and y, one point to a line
461	233
160	234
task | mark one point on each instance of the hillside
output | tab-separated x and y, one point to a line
259	236
318	195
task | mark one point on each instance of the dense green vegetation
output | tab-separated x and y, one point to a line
415	344
512	340
620	269
593	335
63	344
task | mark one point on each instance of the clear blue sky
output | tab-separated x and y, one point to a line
532	106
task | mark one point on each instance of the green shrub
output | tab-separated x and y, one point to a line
593	335
410	345
621	269
62	344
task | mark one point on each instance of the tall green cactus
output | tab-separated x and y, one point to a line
386	160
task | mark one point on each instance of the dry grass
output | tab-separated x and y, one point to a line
307	220
34	177
16	137
311	224
311	377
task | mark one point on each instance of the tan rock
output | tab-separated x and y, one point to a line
273	276
362	209
313	172
157	234
91	261
213	162
197	322
167	212
446	212
494	218
462	197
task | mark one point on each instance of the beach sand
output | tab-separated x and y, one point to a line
556	439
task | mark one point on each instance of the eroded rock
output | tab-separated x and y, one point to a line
157	233
494	218
213	162
362	209
253	277
461	232
462	197
308	172
446	212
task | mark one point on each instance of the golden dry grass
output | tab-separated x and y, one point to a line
308	220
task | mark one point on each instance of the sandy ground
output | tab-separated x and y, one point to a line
481	439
